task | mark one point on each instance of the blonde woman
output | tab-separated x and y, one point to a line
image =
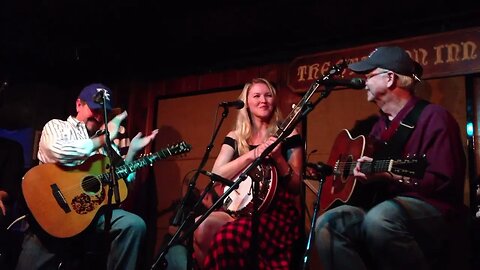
222	241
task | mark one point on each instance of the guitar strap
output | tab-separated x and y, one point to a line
393	146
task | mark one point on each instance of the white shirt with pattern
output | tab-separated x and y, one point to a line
68	143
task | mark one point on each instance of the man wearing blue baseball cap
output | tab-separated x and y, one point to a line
71	143
407	226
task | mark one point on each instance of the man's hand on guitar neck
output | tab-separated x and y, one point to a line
373	177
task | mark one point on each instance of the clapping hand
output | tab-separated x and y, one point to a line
138	142
114	124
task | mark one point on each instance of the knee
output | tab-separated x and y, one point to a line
199	234
135	225
339	218
381	228
375	231
337	221
322	231
209	227
322	235
205	233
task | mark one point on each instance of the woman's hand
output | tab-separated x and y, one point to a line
276	152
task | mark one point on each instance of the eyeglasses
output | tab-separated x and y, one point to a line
369	76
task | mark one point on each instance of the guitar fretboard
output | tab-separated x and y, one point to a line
375	166
128	168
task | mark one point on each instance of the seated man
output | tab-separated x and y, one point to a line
11	171
71	143
408	228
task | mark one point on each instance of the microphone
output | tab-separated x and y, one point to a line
321	167
237	104
98	97
353	83
217	178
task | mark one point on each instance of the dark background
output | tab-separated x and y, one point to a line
85	40
50	49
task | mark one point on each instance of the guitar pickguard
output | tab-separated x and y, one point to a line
83	203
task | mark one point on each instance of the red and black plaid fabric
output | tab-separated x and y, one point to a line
278	229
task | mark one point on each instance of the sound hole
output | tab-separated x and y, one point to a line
91	185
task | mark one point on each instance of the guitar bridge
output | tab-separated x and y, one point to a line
57	194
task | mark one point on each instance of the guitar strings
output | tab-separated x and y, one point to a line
87	180
340	165
91	179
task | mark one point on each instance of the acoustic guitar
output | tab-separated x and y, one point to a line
64	200
343	188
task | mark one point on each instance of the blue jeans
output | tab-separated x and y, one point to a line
395	234
126	233
177	258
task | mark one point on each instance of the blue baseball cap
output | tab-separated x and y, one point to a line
92	96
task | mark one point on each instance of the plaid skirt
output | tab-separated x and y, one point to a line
277	231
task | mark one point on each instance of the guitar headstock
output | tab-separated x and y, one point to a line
413	167
179	148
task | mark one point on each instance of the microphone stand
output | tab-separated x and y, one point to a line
321	175
304	109
180	213
113	181
284	133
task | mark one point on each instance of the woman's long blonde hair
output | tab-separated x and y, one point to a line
243	126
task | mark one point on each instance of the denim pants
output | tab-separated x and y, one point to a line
126	233
395	234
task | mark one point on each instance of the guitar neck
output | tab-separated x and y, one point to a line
128	168
375	166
